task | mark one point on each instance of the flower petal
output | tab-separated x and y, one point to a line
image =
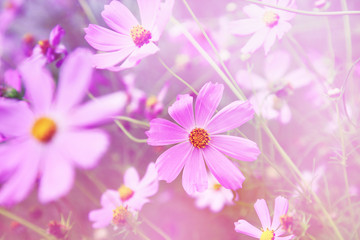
163	132
232	116
56	35
245	26
83	147
131	178
228	175
255	41
110	59
276	65
195	178
299	78
282	28
162	19
57	177
285	238
281	208
149	9
207	101
182	111
149	184
101	217
254	11
104	39
118	17
110	199
263	213
236	147
270	40
75	79
250	81
170	162
99	110
244	227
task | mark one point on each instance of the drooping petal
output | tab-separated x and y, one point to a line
163	132
16	118
110	59
254	11
99	110
232	116
149	9
118	17
195	178
104	39
182	111
207	101
101	217
270	40
236	147
244	227
255	41
245	26
162	19
110	199
39	85
228	175
131	178
250	81
57	176
263	213
170	162
83	147
22	180
74	80
276	65
281	208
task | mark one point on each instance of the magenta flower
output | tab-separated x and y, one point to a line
266	24
269	231
199	139
128	41
52	134
133	194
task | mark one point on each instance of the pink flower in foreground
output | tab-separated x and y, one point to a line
215	197
266	24
128	41
199	139
47	138
269	231
133	194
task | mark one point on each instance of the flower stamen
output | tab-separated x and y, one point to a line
271	19
125	192
267	235
44	129
140	35
199	138
120	215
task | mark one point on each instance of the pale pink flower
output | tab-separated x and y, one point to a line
129	41
155	104
266	24
198	138
134	193
215	197
53	133
136	97
269	231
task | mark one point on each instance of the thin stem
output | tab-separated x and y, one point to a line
308	13
142	235
129	134
156	229
132	120
177	76
87	10
347	31
27	224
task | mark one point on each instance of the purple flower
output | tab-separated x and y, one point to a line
199	139
269	231
128	41
52	135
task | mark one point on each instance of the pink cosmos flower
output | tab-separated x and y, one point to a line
128	41
52	134
133	194
266	24
154	104
135	97
269	231
199	139
215	197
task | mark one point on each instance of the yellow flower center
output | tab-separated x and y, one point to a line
271	19
216	186
140	35
199	138
44	129
151	101
267	235
120	215
44	46
125	192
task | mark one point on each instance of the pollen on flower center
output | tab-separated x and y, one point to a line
271	19
140	35
125	192
199	138
217	186
267	235
44	46
151	101
120	215
44	129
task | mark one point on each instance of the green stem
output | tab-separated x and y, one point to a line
87	10
129	134
25	223
132	120
308	13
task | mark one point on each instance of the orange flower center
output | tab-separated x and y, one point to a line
140	35
199	138
120	215
125	192
267	235
44	129
271	19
